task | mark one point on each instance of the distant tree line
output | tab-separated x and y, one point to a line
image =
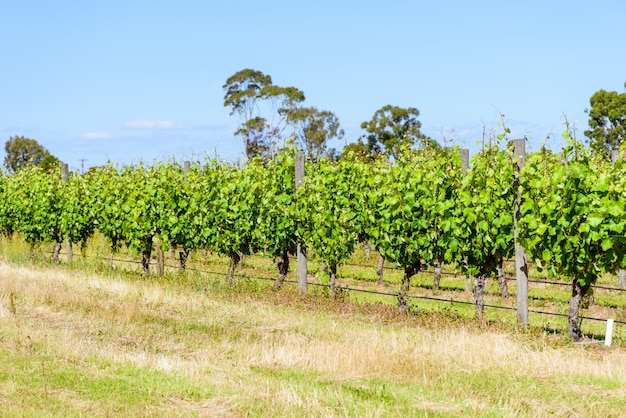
21	152
271	116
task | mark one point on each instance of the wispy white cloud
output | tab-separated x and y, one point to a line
150	124
97	135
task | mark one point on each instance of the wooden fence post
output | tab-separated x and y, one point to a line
64	178
186	165
64	173
182	255
159	251
160	259
302	261
621	274
464	152
160	255
464	159
521	263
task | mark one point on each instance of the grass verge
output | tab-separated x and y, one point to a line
74	343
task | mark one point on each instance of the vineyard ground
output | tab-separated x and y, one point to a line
76	343
82	342
549	303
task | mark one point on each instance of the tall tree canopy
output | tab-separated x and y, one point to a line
245	92
391	129
22	152
313	128
359	150
607	121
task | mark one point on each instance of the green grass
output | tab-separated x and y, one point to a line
358	272
67	385
79	342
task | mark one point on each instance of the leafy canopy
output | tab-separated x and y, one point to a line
573	213
410	207
313	129
392	129
22	152
485	210
607	122
245	92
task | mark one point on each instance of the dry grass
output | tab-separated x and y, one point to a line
80	344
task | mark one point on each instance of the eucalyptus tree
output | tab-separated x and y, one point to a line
21	152
313	128
392	129
359	150
246	92
607	122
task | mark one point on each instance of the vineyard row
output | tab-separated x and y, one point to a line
565	210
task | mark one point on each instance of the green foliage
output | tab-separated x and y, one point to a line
277	222
245	91
110	205
573	213
7	215
358	150
226	200
236	210
417	210
44	209
256	133
22	152
77	219
410	207
331	208
438	195
200	192
393	129
169	205
313	129
51	164
607	122
36	200
139	221
485	211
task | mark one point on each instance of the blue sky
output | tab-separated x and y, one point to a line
142	80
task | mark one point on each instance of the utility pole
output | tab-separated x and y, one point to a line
82	165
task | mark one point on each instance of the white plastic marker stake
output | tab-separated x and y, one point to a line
608	339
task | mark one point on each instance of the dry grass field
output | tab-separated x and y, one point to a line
77	343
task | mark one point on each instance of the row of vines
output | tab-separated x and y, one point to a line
421	210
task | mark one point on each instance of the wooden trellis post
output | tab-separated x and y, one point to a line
464	152
302	261
521	263
621	274
64	178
